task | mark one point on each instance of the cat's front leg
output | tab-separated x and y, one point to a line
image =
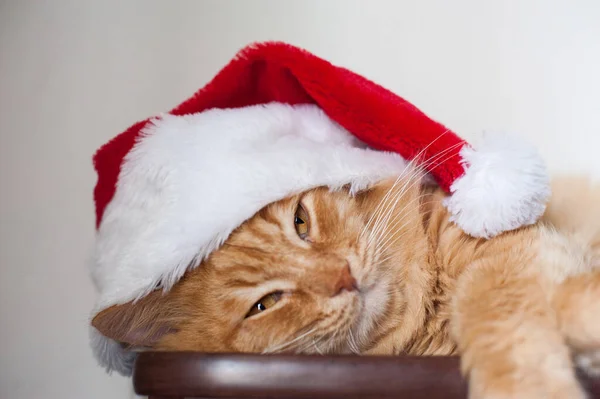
577	305
508	335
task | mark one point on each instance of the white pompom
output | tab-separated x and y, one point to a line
505	186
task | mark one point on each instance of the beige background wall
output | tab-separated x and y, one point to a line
75	73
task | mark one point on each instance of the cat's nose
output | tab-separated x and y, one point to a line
345	281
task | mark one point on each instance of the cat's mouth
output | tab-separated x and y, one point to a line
372	302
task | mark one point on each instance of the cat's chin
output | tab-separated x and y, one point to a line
373	304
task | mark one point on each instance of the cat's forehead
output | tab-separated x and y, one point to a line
271	230
316	200
308	198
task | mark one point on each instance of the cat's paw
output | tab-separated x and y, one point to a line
589	362
527	386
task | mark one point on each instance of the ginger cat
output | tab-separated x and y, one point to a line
386	272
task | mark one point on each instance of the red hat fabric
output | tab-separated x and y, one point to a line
278	72
276	121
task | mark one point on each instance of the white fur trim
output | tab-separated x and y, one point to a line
505	186
191	180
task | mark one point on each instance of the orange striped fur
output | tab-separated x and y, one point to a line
518	308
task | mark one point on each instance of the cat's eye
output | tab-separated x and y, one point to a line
265	303
301	222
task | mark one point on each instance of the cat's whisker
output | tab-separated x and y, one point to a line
312	343
398	233
316	344
287	344
380	221
377	232
300	344
384	199
352	343
381	205
409	166
391	242
393	226
317	348
397	237
332	339
383	220
383	245
415	177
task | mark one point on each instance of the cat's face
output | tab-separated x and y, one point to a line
315	273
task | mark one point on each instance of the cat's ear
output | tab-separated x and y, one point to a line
140	323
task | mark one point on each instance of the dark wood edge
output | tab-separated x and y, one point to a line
190	374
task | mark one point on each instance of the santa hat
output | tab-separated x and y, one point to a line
276	121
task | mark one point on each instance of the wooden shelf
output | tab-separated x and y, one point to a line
201	375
